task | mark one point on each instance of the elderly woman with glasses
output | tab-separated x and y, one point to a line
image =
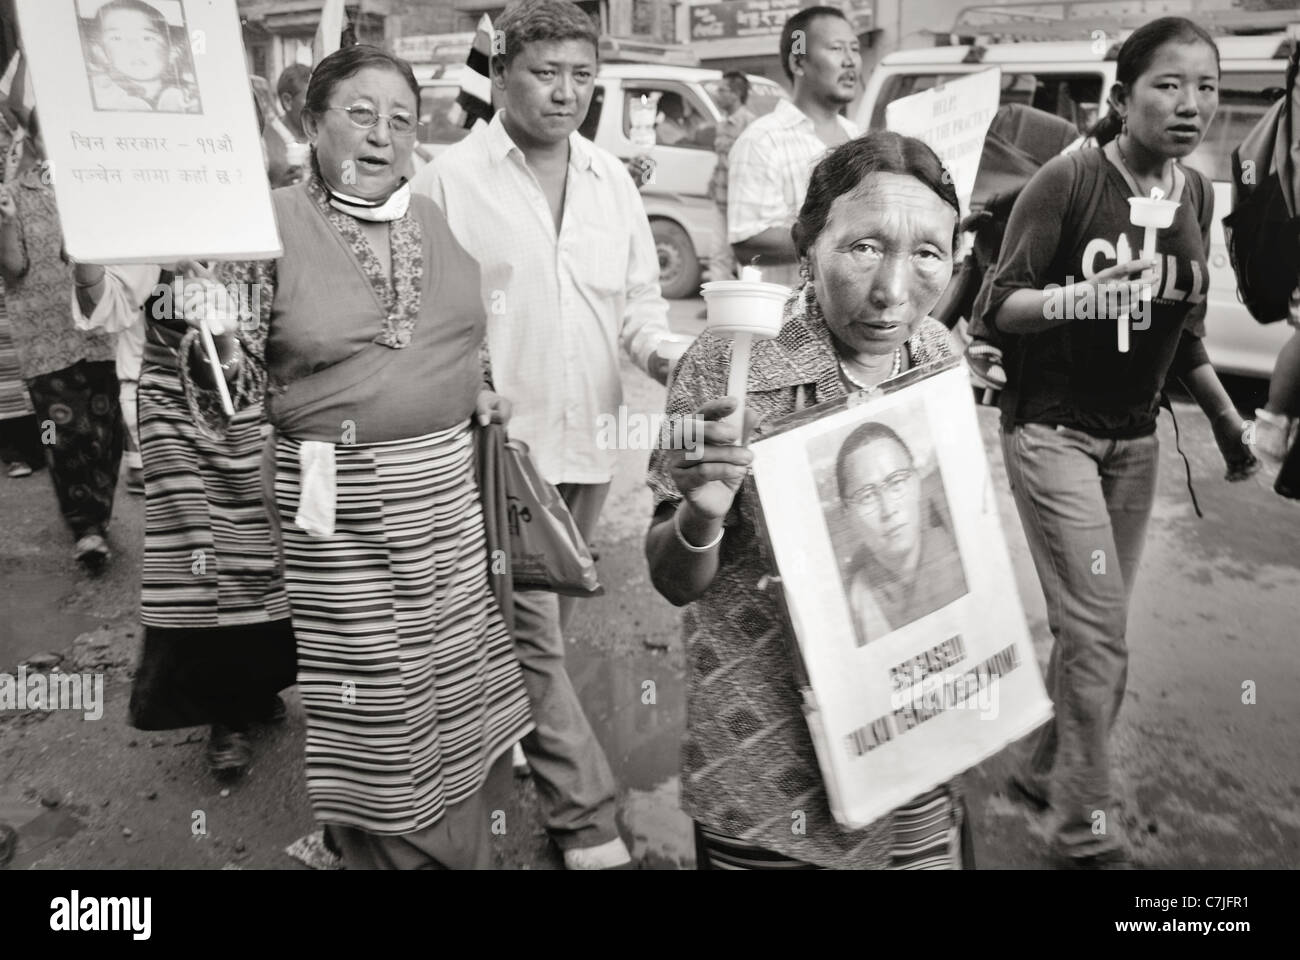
366	339
875	238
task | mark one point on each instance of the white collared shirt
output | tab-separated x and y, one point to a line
558	308
770	164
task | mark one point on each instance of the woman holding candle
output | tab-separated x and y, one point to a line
875	236
1079	413
365	338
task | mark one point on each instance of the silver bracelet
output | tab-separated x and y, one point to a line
677	526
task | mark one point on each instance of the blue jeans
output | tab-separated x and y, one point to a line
1084	503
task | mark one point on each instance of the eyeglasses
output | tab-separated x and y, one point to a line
869	498
400	124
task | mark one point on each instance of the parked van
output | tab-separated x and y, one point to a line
681	214
1072	79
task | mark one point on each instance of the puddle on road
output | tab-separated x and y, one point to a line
32	831
637	706
32	621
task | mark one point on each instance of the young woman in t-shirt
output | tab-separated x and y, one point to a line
1079	414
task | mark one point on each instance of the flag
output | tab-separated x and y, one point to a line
475	96
333	18
16	88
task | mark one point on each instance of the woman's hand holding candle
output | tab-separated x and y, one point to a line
208	310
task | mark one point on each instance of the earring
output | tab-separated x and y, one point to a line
805	274
1123	123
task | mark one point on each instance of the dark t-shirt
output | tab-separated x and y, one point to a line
1074	374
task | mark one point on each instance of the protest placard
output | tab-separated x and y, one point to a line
953	118
898	586
146	112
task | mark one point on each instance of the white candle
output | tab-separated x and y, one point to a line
751	273
1123	255
738	378
214	361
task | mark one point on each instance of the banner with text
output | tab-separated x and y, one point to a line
147	115
953	119
915	659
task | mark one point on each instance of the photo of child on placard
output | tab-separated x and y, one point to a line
137	56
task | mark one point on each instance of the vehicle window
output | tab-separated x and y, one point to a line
1076	97
763	96
1243	99
439	115
592	121
683	120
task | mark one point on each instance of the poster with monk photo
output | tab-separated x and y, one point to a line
145	110
897	581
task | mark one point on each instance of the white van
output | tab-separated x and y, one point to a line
681	214
1072	79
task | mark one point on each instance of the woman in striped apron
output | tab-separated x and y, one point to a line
218	644
365	339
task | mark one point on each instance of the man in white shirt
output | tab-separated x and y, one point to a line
569	275
772	160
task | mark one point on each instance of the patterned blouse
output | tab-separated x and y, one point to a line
40	300
748	766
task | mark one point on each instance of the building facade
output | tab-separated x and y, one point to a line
278	33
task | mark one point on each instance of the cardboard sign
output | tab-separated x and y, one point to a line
899	592
953	119
147	116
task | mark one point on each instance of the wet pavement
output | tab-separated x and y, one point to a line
1206	779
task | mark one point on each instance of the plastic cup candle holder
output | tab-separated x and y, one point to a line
743	310
642	113
1152	213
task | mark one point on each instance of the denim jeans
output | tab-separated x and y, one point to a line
1084	503
573	778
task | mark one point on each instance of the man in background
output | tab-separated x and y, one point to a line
731	97
773	159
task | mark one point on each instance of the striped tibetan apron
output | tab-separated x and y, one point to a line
209	558
929	833
405	666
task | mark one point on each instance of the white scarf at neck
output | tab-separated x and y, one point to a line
377	211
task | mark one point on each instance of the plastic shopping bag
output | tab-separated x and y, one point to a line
547	552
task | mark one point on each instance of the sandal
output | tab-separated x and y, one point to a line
229	752
92	552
